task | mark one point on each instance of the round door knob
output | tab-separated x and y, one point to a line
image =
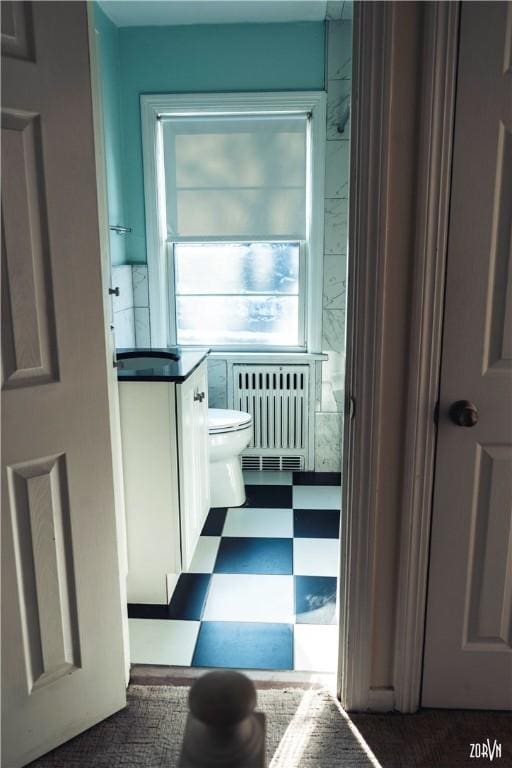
463	413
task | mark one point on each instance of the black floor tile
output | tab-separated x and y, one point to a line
148	611
268	496
189	596
254	555
315	599
316	523
214	522
244	645
317	478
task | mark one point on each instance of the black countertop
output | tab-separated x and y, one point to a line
158	363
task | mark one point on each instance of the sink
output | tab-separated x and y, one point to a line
141	360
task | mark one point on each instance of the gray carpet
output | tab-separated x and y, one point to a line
305	729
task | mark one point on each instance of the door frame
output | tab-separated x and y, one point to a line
371	110
113	392
366	363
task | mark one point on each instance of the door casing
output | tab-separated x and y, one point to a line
377	31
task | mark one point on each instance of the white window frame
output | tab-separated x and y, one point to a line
153	107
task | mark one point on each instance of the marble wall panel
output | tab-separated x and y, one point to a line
140	285
142	327
122	279
124	328
217	383
328	438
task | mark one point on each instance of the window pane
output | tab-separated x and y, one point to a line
237	268
237	320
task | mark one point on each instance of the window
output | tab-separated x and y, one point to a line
238	294
235	230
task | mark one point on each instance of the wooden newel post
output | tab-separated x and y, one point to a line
222	729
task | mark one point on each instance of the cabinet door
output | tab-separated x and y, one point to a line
148	427
193	460
202	447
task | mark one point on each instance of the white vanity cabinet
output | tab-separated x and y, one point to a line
164	433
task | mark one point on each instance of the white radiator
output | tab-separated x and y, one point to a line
278	398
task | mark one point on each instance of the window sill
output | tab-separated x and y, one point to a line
270	357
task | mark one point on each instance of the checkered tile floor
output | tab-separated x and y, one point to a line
261	592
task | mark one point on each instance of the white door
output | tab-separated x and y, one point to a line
62	614
468	651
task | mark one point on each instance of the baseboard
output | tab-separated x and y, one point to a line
381	700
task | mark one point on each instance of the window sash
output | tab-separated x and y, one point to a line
240	347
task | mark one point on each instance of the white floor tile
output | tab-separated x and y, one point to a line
242	597
317	497
315	648
253	477
158	641
271	523
205	555
316	557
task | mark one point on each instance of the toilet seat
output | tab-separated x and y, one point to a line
221	420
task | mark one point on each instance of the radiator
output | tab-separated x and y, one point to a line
277	397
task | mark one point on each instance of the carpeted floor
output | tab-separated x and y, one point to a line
305	729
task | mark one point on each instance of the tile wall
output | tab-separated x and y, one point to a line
131	308
328	416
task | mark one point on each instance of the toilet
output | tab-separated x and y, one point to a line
229	433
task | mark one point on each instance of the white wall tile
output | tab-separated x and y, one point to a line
334	281
124	328
333	330
335	226
336	168
122	279
333	369
338	102
328	436
142	329
140	285
217	383
339	50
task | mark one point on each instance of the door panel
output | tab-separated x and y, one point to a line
62	616
468	650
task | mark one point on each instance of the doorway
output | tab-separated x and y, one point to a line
287	535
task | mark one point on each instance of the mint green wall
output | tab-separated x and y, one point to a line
107	36
205	58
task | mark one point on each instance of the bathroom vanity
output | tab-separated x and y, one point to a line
163	398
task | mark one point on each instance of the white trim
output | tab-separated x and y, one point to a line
157	276
270	357
371	104
155	105
106	275
381	700
437	119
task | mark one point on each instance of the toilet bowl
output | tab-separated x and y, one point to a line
229	433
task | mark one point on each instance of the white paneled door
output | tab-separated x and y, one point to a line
468	651
62	641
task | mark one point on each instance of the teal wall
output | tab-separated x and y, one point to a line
195	59
107	36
